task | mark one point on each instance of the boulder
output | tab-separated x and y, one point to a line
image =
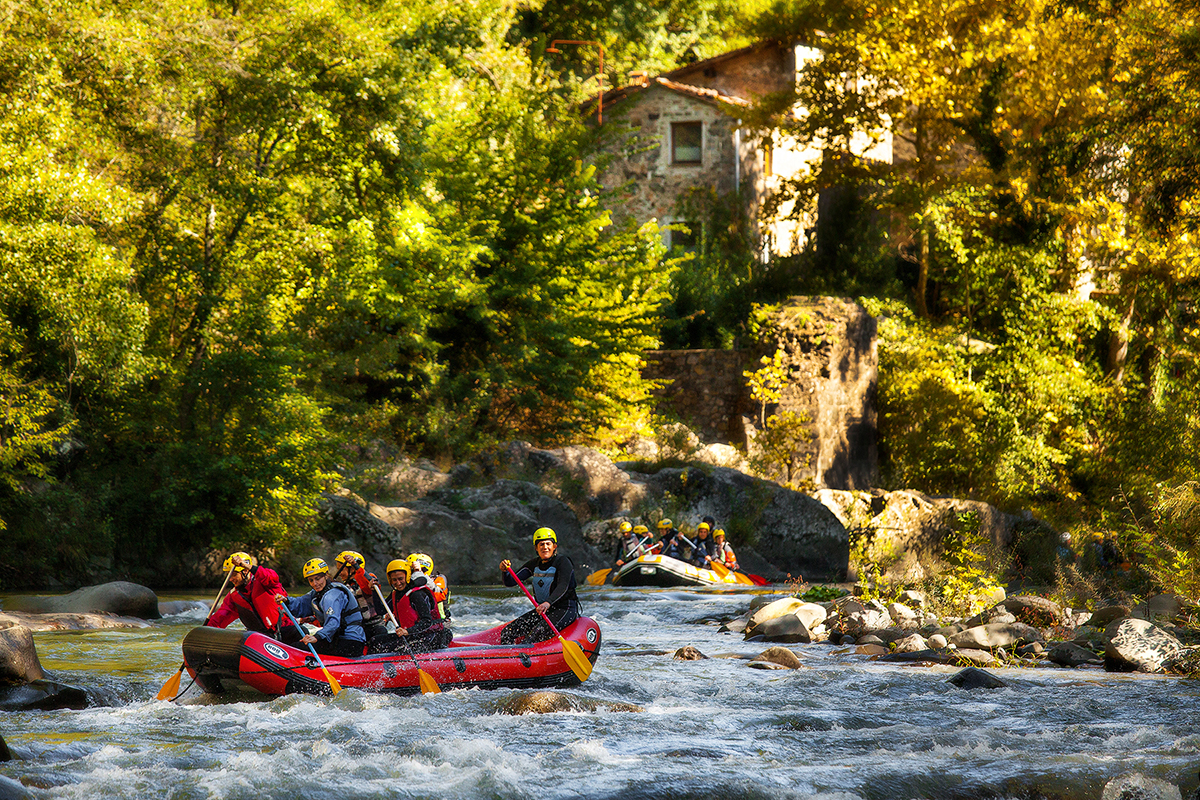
42	695
1136	786
1166	606
975	678
5	753
910	644
996	634
810	614
861	622
118	597
1102	616
903	616
69	622
170	607
1030	650
735	625
788	629
688	653
937	641
543	702
756	664
19	662
1137	644
871	650
1033	610
781	656
1069	654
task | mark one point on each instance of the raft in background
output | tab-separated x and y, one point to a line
220	660
659	570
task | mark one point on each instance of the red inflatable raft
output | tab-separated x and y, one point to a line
220	660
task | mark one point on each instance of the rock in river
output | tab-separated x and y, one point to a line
550	702
18	657
1135	644
118	597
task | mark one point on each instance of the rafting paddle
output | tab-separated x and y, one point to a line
598	577
428	684
171	687
572	652
334	686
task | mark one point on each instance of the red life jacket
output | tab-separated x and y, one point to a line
401	605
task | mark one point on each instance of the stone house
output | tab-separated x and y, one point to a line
690	137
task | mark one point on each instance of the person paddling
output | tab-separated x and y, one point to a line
423	564
671	540
414	607
551	578
703	549
724	552
335	608
630	545
252	600
350	569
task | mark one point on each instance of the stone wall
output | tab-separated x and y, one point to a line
831	360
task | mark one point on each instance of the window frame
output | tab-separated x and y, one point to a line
690	124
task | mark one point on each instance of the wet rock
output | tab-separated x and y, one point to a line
18	657
1136	786
1136	644
810	614
861	622
869	638
688	653
5	753
1069	654
937	641
975	678
70	622
765	665
1102	616
170	607
1030	650
871	650
910	644
995	634
1039	612
42	695
543	702
845	640
903	616
118	597
789	629
735	625
781	656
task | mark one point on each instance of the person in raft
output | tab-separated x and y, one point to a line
350	568
550	577
336	611
724	550
704	550
629	546
252	600
421	627
423	565
671	540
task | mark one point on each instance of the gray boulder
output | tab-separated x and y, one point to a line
996	634
858	623
1136	644
1136	786
5	753
780	656
42	695
543	702
912	643
1069	654
19	662
688	653
789	629
1102	616
118	597
975	678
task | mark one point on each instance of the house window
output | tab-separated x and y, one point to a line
686	139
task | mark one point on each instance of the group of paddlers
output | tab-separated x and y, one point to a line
350	612
705	547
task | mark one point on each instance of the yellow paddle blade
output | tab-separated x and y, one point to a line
333	684
428	684
719	568
598	577
576	660
743	579
171	687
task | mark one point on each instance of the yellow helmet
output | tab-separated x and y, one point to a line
239	561
422	562
541	534
664	523
625	527
719	532
350	559
704	526
399	565
315	566
640	530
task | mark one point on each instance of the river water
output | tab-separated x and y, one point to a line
843	727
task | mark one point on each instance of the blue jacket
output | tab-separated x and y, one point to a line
704	547
336	609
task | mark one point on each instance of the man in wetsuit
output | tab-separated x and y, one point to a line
551	579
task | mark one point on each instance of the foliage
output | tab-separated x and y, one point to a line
968	583
821	594
776	449
1170	549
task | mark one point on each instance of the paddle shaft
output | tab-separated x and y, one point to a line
168	690
332	683
535	603
422	676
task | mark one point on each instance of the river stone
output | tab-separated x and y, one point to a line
1069	654
789	629
735	625
18	657
5	753
1136	786
118	597
937	641
810	614
1161	605
756	664
543	702
42	695
780	655
871	650
913	598
910	644
869	638
861	622
1102	616
1136	644
1039	612
975	678
995	634
902	615
688	653
1030	650
181	606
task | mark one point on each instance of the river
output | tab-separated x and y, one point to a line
842	728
